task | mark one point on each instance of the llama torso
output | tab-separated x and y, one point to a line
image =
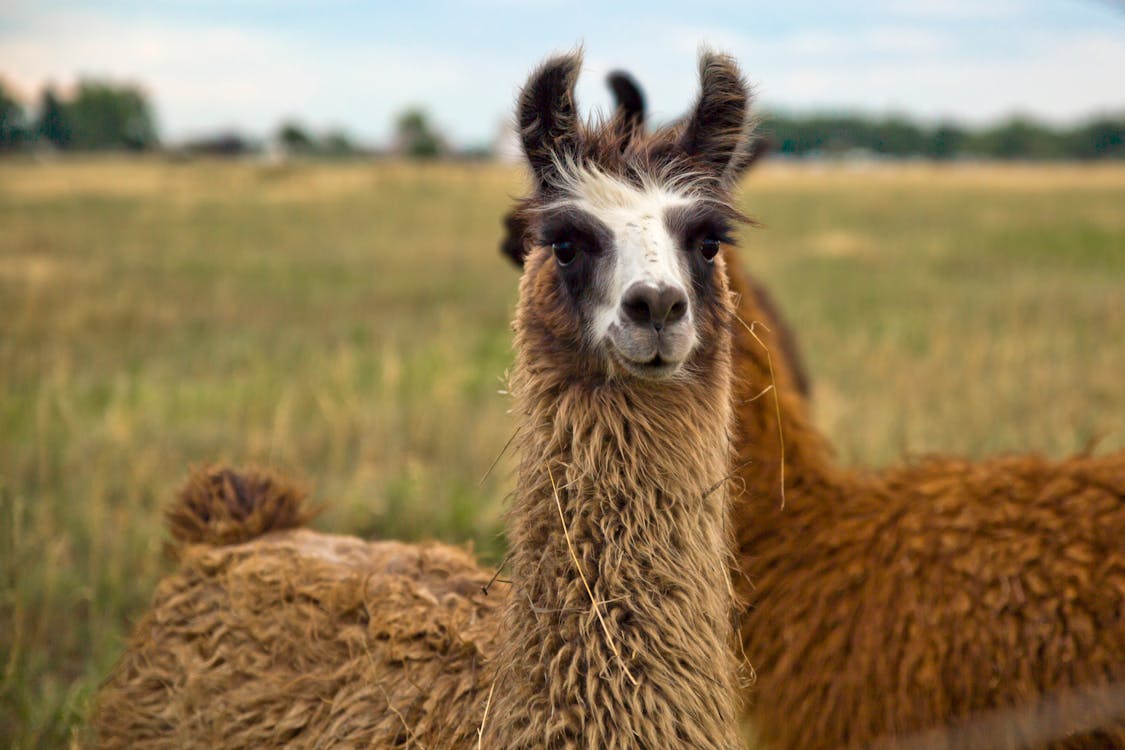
298	639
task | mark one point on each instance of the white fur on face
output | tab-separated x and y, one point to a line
644	250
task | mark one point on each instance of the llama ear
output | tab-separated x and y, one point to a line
548	118
718	127
515	231
630	101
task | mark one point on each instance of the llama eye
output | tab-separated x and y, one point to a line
709	248
565	252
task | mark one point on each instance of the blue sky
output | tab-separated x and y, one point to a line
212	64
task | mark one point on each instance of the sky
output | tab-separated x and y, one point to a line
210	65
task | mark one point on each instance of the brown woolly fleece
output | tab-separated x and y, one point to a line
616	630
922	597
299	639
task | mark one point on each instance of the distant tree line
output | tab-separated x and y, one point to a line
100	116
110	117
898	137
415	136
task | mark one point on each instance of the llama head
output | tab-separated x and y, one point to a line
624	265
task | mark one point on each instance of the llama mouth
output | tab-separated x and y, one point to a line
647	353
656	368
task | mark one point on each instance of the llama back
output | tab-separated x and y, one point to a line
286	637
949	598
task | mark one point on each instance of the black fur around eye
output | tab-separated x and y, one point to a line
709	248
565	252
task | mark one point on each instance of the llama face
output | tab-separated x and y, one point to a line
636	261
630	224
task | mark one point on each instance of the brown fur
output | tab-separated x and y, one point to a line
617	628
885	603
300	639
218	506
633	476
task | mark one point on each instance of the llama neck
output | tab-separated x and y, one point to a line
763	448
619	500
815	487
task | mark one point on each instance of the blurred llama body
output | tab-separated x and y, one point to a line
921	597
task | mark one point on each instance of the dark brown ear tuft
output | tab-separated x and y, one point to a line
718	127
548	117
756	149
629	108
515	233
630	102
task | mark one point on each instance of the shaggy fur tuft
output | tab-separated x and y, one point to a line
218	506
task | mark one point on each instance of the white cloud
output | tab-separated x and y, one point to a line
208	75
222	76
1061	75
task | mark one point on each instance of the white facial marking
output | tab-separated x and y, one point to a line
644	251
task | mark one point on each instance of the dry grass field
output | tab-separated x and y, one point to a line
347	323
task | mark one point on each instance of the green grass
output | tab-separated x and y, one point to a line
348	324
970	310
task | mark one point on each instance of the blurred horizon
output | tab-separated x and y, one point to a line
246	66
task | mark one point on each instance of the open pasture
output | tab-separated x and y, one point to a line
348	323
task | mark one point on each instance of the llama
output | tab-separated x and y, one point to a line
615	632
629	114
882	603
919	598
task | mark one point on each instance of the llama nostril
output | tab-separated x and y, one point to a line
646	304
636	308
677	311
